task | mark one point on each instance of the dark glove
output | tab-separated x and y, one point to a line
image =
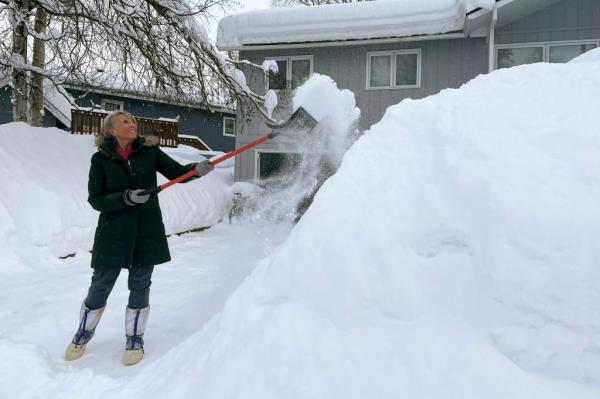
204	167
135	197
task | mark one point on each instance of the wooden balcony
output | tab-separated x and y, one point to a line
90	122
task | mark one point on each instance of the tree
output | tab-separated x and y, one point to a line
287	3
147	45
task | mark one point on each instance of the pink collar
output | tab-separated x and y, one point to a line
125	153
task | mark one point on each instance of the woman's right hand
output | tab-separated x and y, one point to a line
135	197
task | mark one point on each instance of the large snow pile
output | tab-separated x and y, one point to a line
454	255
44	205
589	56
383	18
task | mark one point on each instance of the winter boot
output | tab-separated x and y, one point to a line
88	320
135	324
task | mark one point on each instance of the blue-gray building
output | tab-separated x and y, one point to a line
214	126
384	54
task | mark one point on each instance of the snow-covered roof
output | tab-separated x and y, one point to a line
151	96
354	21
57	101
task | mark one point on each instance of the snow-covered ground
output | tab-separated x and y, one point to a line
40	309
44	215
453	255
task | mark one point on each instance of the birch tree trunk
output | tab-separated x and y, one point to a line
38	60
19	55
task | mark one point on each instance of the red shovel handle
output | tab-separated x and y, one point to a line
222	158
243	148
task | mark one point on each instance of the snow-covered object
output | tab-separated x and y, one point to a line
58	101
270	66
237	76
270	101
44	193
454	255
355	21
589	56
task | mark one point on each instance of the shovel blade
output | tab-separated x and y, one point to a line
300	121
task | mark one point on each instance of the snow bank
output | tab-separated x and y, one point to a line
590	56
44	195
365	20
454	254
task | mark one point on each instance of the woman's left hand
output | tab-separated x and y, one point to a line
204	167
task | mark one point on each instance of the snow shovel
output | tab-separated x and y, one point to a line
300	120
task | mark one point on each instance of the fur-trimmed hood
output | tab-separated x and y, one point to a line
107	146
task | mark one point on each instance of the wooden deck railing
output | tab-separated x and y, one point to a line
193	141
90	122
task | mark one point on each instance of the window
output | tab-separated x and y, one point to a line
293	72
276	168
518	54
508	57
228	126
394	69
112	105
566	52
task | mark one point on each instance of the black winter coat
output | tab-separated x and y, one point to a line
129	236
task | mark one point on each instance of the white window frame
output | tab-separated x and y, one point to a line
288	72
544	45
393	55
224	119
108	100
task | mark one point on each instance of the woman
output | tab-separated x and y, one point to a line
130	233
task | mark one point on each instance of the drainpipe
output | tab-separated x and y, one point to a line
492	39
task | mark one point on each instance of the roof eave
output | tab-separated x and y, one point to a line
338	43
147	97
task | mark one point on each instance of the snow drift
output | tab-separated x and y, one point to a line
453	255
43	206
454	251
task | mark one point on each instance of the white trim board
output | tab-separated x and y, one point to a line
339	43
234	126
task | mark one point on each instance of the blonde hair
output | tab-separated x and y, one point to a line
109	123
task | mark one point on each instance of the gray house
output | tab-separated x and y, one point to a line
384	53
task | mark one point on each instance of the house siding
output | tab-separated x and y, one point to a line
6	115
444	64
192	121
195	122
562	21
6	111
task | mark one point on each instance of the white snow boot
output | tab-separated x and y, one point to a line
135	324
88	320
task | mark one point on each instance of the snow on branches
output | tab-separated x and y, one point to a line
155	46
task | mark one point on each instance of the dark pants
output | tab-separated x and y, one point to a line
103	281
